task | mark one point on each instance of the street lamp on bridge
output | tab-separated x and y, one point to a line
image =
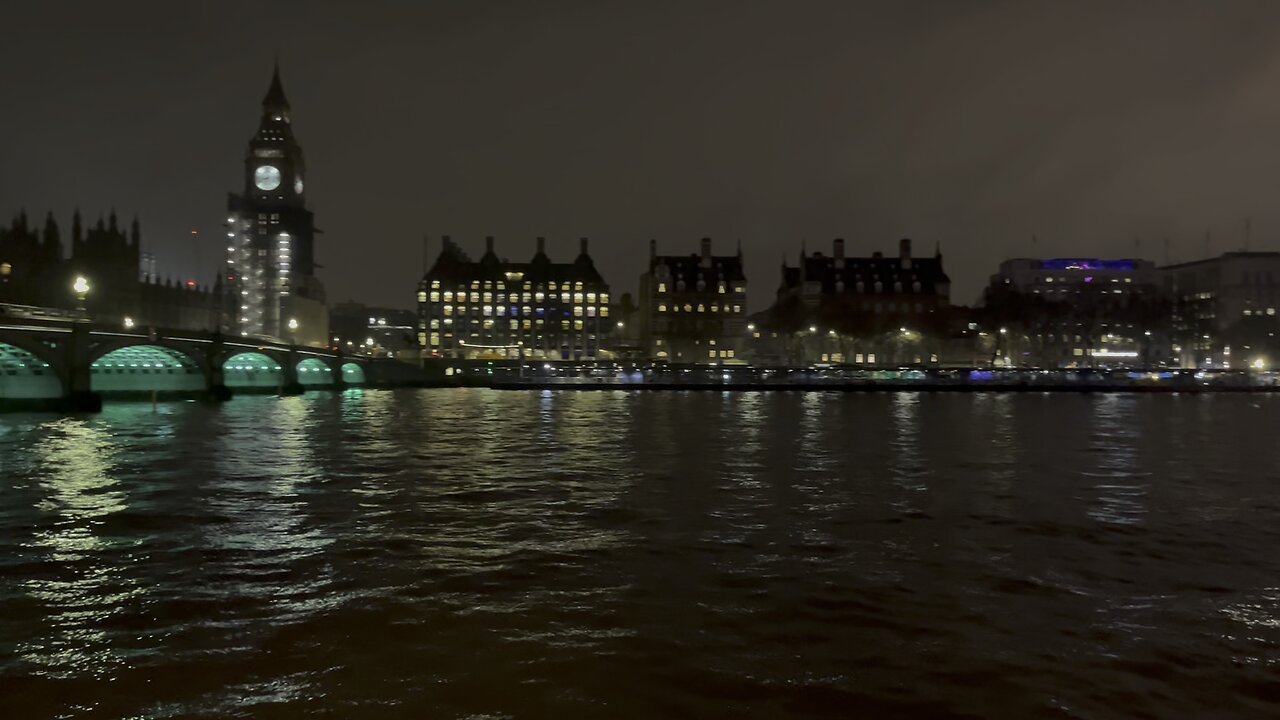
81	288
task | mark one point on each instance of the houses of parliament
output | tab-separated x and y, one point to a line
266	288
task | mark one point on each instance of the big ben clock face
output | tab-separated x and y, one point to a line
266	177
297	185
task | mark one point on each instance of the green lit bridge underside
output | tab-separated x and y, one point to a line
143	369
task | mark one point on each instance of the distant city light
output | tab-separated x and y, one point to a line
81	285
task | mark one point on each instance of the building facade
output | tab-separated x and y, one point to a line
272	289
1077	312
1224	310
869	311
356	327
34	271
693	307
493	308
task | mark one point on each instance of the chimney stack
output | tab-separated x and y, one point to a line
837	251
706	252
542	246
653	250
426	255
583	241
488	245
904	252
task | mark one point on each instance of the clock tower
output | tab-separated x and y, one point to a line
270	271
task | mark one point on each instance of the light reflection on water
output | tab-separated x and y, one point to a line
479	553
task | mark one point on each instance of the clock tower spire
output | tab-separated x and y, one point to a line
270	271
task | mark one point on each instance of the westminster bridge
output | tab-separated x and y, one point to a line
61	359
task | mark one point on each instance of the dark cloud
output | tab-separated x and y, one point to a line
967	124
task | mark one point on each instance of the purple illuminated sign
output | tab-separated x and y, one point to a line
1085	264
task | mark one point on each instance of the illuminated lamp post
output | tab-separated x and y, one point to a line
81	288
293	330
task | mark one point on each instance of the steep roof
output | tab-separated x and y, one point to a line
888	271
275	94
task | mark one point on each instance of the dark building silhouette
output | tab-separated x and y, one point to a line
693	306
352	325
1225	310
873	310
1076	312
494	308
33	271
270	280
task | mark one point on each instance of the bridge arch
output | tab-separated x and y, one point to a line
315	372
145	368
26	375
353	373
252	369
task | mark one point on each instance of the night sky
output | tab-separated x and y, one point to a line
976	125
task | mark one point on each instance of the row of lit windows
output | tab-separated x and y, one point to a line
720	287
488	297
1087	279
499	285
515	324
501	310
688	307
1063	291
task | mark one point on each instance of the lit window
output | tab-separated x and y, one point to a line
871	357
662	287
577	311
721	288
435	323
475	297
604	298
591	311
422	297
488	297
539	297
701	308
711	353
435	284
662	308
737	308
448	296
435	296
564	297
577	324
604	311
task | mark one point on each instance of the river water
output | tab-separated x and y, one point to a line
488	554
